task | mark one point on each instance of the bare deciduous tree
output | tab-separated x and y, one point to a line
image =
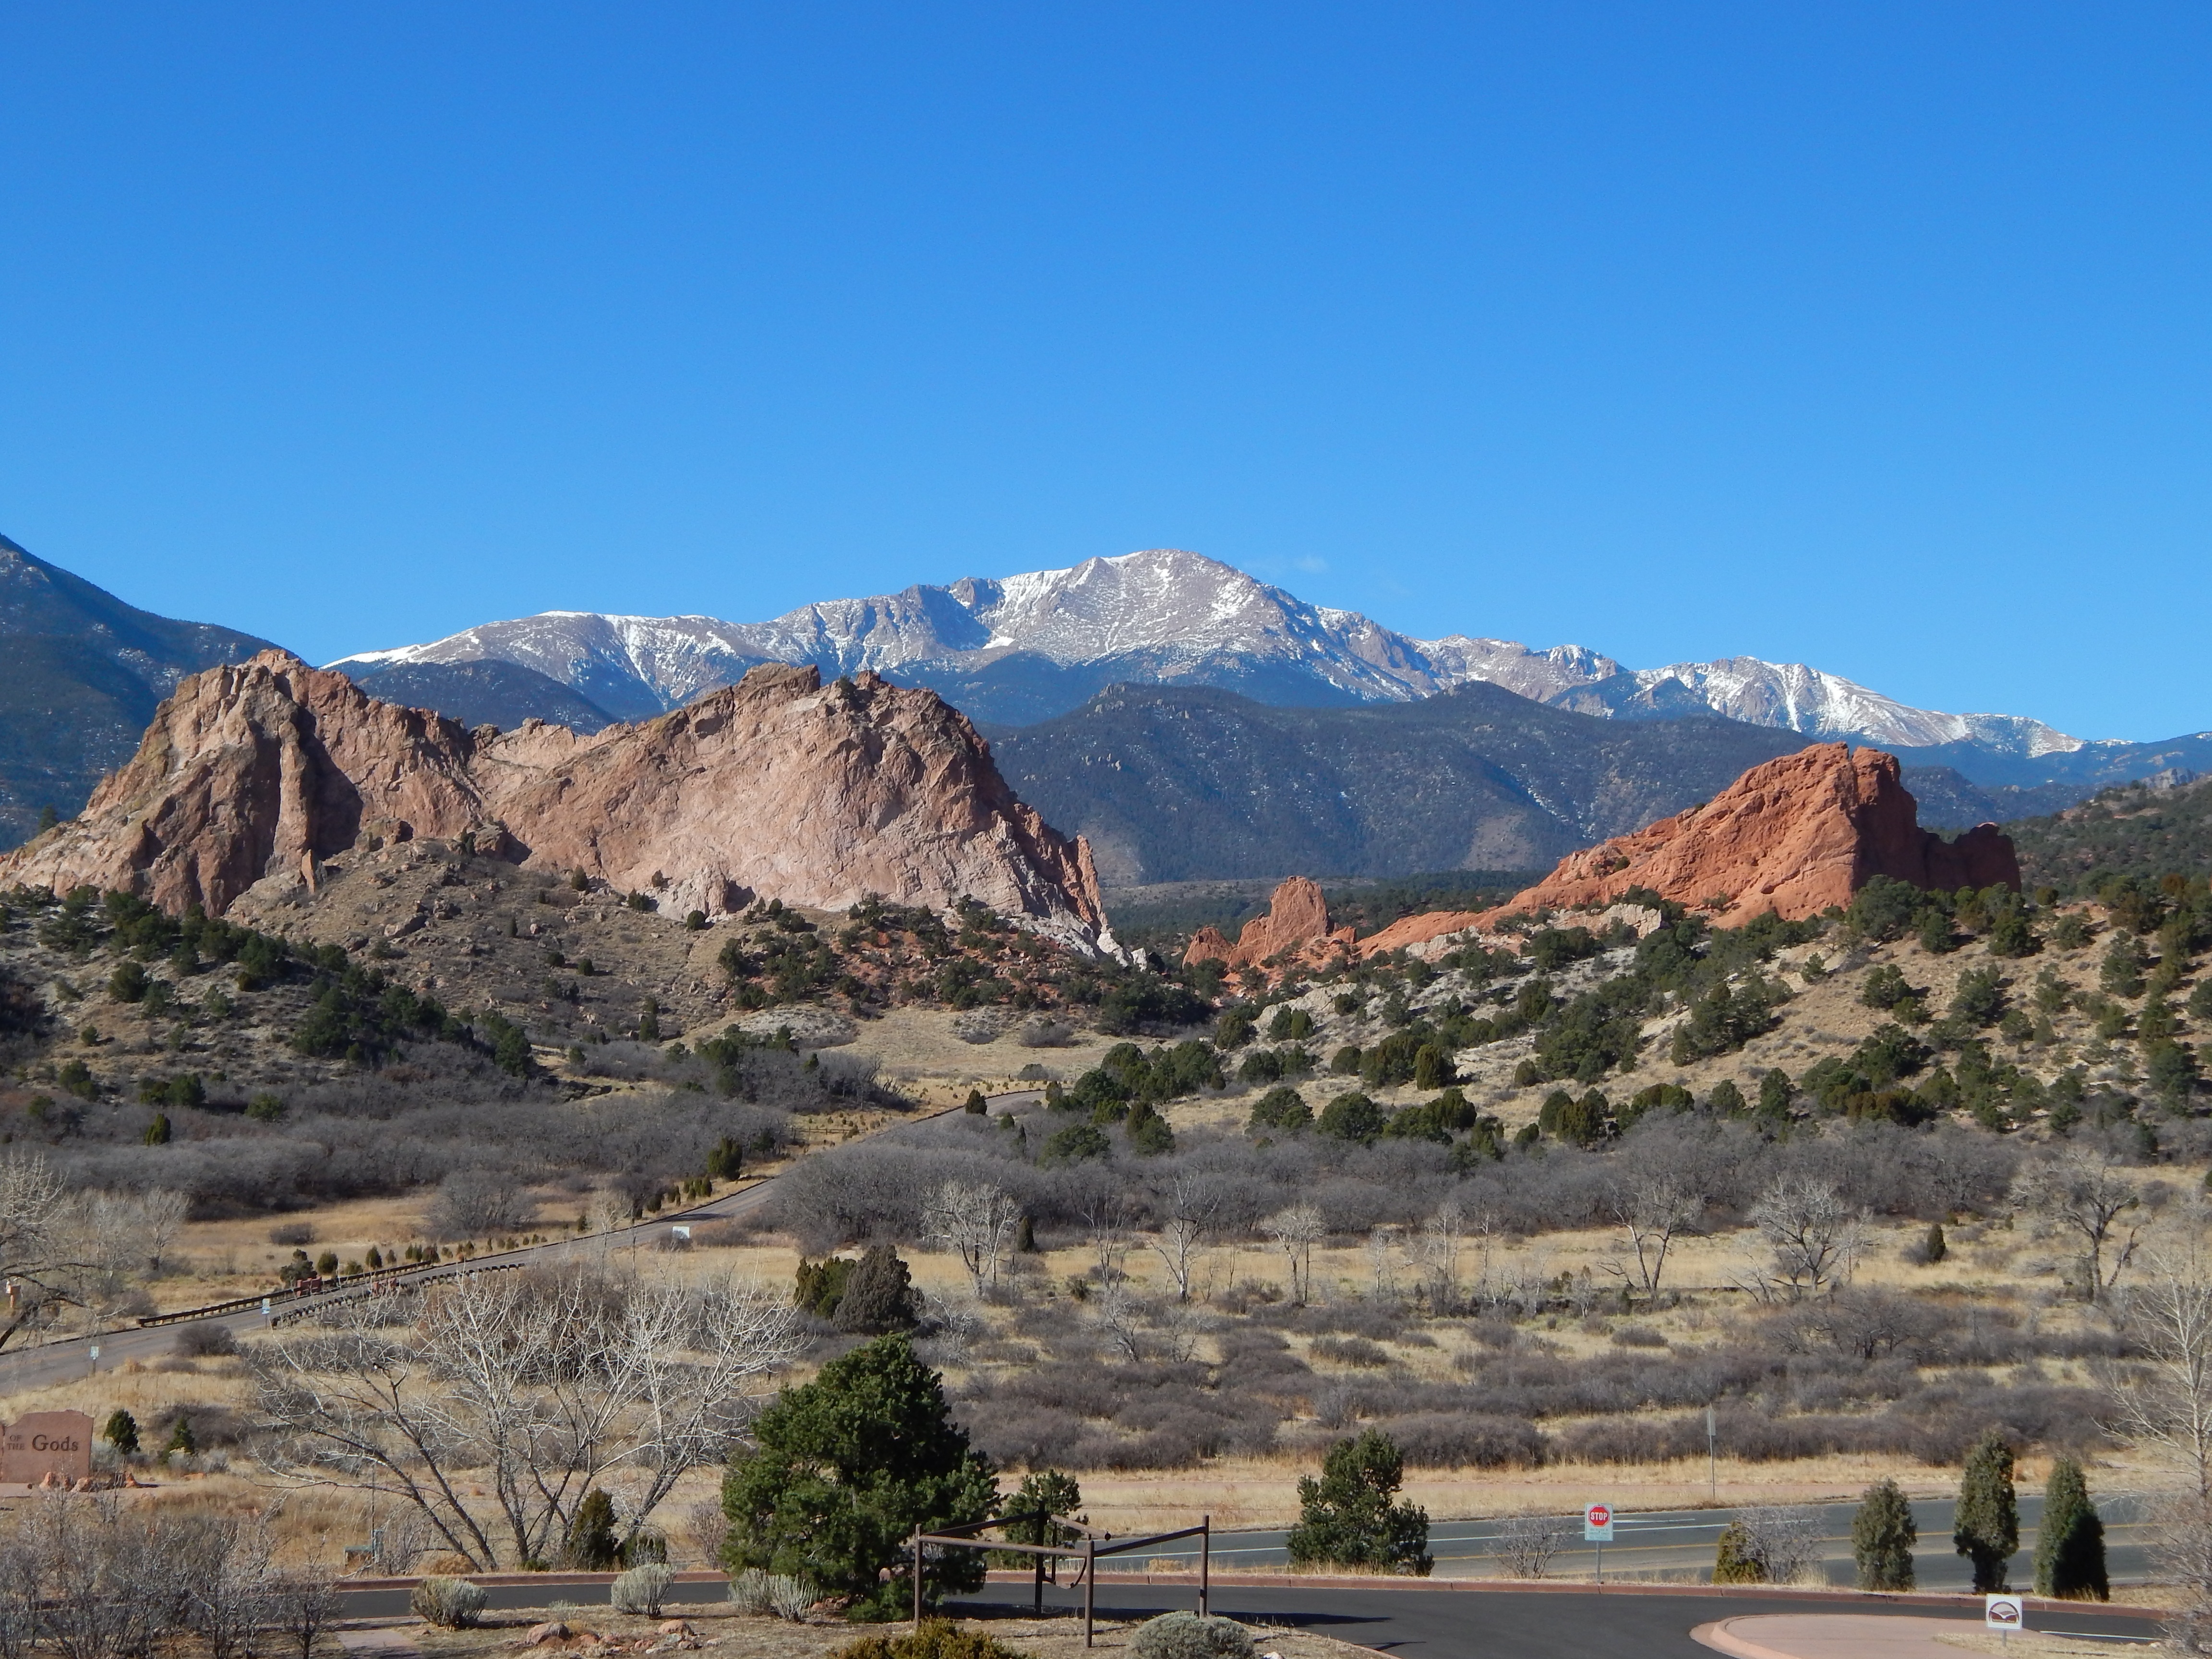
1784	1540
1654	1206
2082	1190
2180	1539
975	1220
1436	1251
1814	1236
1106	1222
303	1603
1121	1316
1383	1243
1527	1543
533	1385
1295	1231
1187	1217
479	1203
2163	1400
39	1240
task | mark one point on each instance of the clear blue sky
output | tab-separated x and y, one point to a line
1872	336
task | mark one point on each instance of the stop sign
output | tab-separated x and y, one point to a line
1597	1523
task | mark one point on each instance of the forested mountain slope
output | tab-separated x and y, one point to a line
1187	783
2147	830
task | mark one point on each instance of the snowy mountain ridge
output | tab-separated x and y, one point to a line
1009	647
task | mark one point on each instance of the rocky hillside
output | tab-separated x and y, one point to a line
257	777
81	672
1793	837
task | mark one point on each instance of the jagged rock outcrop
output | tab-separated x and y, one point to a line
777	786
1793	835
1295	926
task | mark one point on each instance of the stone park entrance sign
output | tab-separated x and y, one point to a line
42	1443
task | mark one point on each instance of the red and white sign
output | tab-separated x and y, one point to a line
2004	1613
1597	1524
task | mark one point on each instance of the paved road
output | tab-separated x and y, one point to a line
1679	1545
1418	1622
1515	1623
54	1362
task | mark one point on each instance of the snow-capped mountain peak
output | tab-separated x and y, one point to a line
1024	646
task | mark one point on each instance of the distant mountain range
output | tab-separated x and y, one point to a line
1193	721
1016	650
81	674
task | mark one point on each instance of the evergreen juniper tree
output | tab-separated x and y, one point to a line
2069	1549
1987	1527
879	1295
592	1545
1882	1536
1734	1560
1347	1518
845	1467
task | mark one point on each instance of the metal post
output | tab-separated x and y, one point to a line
1089	1584
1600	1564
1205	1560
917	1579
1038	1607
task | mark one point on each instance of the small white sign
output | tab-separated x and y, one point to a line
681	1231
2004	1613
1597	1524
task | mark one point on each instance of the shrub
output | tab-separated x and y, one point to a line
1463	1440
204	1338
641	1589
791	1599
1191	1636
448	1603
1733	1560
749	1591
938	1638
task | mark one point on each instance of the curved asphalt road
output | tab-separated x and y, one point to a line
1418	1621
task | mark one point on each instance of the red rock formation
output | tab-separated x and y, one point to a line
1296	927
776	786
1794	835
